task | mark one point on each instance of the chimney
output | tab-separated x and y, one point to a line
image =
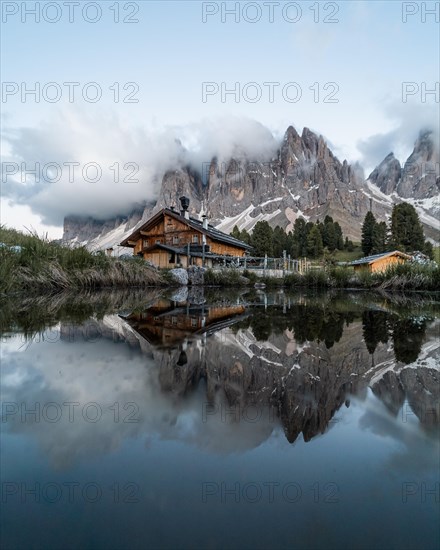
184	202
205	222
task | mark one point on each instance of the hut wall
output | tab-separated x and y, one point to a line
385	263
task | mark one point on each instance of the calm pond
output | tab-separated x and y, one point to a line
220	419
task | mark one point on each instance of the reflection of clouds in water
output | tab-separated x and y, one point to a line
416	450
106	372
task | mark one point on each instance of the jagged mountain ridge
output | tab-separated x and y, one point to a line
304	179
418	179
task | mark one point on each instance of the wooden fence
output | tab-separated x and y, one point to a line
265	266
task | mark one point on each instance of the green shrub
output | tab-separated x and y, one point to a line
316	278
224	277
251	275
406	276
293	279
271	282
340	277
410	276
364	278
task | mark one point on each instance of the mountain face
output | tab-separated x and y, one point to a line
387	175
304	179
417	182
418	179
85	229
421	174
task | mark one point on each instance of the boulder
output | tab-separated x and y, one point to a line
179	275
196	295
180	295
196	275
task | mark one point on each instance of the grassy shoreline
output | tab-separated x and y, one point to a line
29	263
409	277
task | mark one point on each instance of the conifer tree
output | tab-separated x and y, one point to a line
367	233
279	241
339	237
235	232
315	247
299	245
379	238
262	239
406	229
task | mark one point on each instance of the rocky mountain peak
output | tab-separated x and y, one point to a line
291	134
424	145
387	175
420	177
312	142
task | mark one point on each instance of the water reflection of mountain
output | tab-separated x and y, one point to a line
299	359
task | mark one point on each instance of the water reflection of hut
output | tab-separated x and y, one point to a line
168	324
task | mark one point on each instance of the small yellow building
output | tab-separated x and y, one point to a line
380	262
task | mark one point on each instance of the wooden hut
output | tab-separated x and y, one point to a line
380	262
171	239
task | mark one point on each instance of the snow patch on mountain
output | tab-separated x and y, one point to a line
245	220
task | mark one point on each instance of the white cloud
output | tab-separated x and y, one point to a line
84	139
409	119
104	140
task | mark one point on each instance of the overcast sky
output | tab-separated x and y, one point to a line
338	68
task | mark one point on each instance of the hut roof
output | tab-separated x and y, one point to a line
376	257
210	231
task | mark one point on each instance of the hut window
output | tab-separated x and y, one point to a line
145	243
172	259
195	239
175	239
193	322
174	320
157	241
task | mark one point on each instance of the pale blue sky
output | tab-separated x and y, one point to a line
171	52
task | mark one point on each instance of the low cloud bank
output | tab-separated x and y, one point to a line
96	166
